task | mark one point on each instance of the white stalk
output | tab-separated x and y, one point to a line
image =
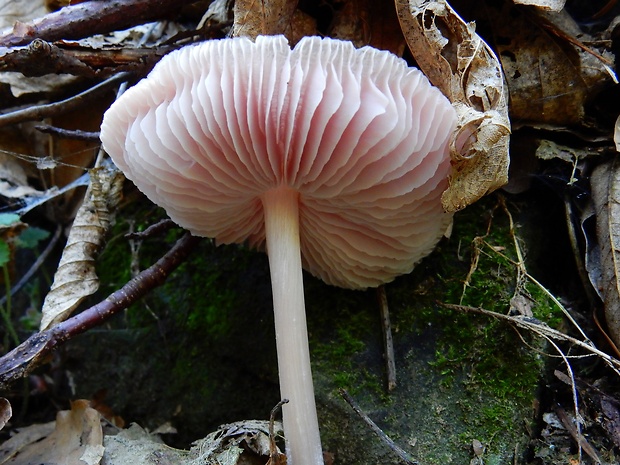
301	426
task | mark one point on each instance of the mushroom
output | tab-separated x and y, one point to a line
332	157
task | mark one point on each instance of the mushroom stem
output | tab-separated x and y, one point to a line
301	426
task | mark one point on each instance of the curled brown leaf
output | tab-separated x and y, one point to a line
76	277
464	67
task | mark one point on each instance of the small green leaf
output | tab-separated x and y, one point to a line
31	237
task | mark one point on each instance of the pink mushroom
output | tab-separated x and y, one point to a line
332	157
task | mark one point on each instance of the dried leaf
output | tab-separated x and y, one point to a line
464	67
611	420
605	184
617	134
134	446
219	12
21	85
77	439
76	278
223	444
5	412
548	77
351	22
265	17
551	5
13	177
368	22
549	150
23	438
20	10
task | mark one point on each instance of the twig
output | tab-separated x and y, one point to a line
40	58
575	432
88	18
388	342
522	271
275	456
531	324
75	134
33	202
32	353
573	387
153	230
404	455
63	106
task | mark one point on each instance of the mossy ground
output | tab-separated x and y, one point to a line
461	377
201	349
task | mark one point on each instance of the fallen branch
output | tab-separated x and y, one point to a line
75	134
94	17
32	353
40	58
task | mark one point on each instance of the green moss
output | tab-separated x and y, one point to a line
464	376
339	341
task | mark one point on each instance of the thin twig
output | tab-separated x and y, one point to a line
573	387
275	456
153	230
388	342
404	455
543	289
75	134
576	434
51	109
522	271
32	353
531	324
33	202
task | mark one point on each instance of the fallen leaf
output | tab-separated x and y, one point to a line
135	446
552	5
253	18
549	150
22	438
368	22
77	439
5	412
13	177
464	67
611	421
76	277
223	446
605	185
548	77
20	10
617	134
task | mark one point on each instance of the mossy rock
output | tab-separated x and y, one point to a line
462	378
203	353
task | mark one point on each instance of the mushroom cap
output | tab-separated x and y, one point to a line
361	136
